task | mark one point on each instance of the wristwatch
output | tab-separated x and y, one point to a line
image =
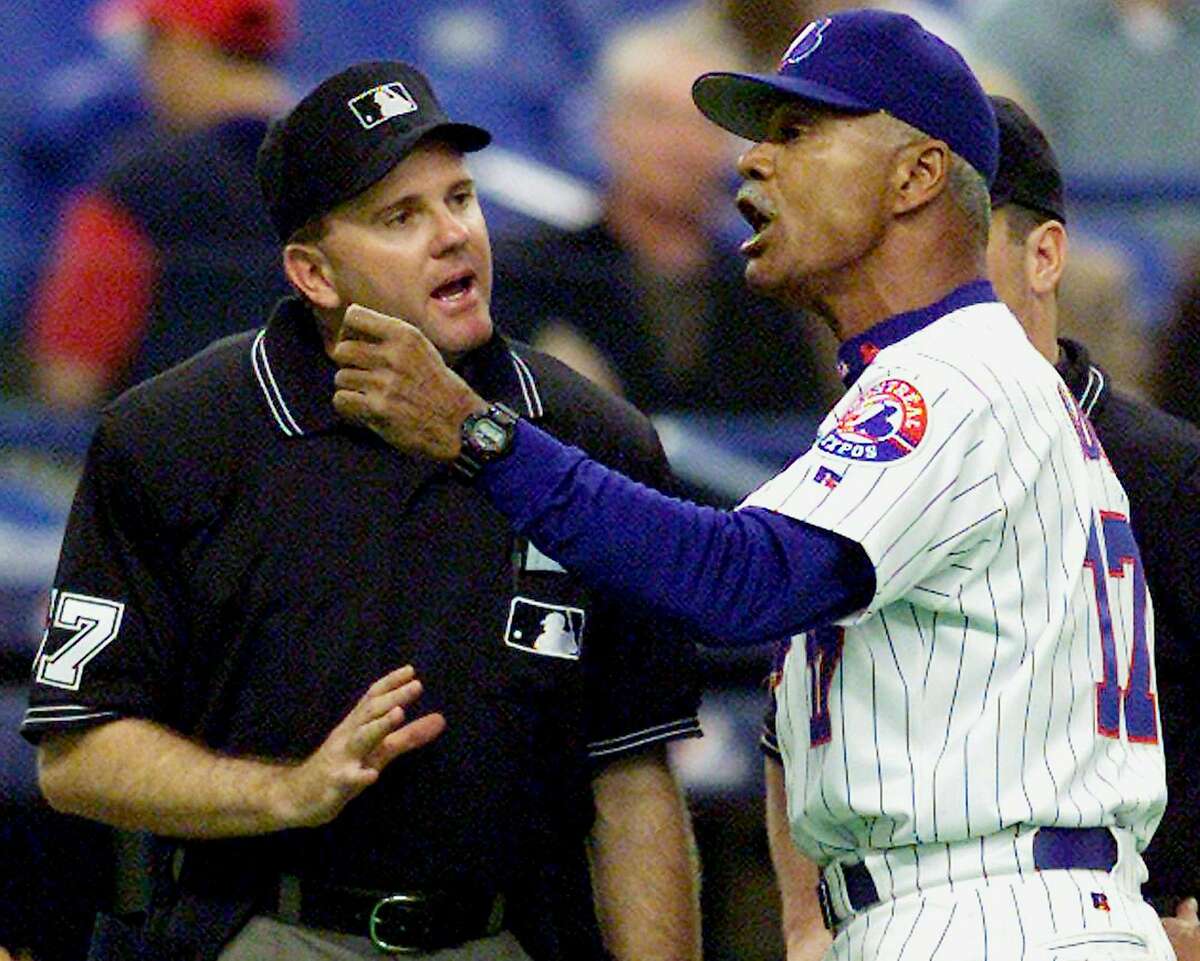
485	437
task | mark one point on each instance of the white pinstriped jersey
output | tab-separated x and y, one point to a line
1002	674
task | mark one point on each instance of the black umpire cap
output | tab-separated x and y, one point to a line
1028	173
347	135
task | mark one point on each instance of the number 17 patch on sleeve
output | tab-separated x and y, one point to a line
90	625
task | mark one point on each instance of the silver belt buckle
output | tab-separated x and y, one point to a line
401	904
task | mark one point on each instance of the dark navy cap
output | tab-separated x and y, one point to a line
863	61
347	135
1028	173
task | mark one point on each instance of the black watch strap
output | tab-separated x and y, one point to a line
485	437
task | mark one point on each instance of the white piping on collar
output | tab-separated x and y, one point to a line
1095	380
266	380
533	400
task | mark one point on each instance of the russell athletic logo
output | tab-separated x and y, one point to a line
807	41
886	423
827	477
372	107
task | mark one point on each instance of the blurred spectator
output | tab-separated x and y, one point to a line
38	40
646	302
1178	354
759	29
170	249
1114	84
1098	303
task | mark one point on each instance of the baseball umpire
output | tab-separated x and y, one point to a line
967	709
241	564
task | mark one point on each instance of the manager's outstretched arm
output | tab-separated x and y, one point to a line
740	577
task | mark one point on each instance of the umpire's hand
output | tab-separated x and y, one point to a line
1184	931
393	381
351	758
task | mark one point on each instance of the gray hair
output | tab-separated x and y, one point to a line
969	191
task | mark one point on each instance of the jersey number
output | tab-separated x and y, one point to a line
823	647
1119	552
95	622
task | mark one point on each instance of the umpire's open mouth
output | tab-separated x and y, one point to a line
456	288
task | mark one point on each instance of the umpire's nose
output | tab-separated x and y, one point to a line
450	232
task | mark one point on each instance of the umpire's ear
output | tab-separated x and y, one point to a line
1045	256
310	272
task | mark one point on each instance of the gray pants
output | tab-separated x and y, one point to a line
265	939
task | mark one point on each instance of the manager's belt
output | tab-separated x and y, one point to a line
396	922
1061	849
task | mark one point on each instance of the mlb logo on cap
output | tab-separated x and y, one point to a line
372	107
550	629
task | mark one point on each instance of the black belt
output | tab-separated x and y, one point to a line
396	922
1054	849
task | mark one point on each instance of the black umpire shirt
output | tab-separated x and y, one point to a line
240	565
1157	458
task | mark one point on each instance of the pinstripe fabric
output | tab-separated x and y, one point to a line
965	700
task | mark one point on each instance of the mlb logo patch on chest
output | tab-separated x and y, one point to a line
886	423
550	629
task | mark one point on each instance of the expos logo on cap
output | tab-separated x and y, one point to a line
806	42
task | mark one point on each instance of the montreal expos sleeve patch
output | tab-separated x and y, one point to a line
886	423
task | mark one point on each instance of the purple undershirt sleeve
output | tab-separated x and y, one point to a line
740	577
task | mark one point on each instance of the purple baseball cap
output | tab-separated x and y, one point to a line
863	61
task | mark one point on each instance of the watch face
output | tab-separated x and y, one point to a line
489	435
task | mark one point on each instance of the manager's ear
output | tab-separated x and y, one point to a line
921	173
310	272
1045	256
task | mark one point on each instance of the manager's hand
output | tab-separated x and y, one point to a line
393	381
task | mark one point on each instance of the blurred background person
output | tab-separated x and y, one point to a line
170	249
1113	83
1177	359
649	300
